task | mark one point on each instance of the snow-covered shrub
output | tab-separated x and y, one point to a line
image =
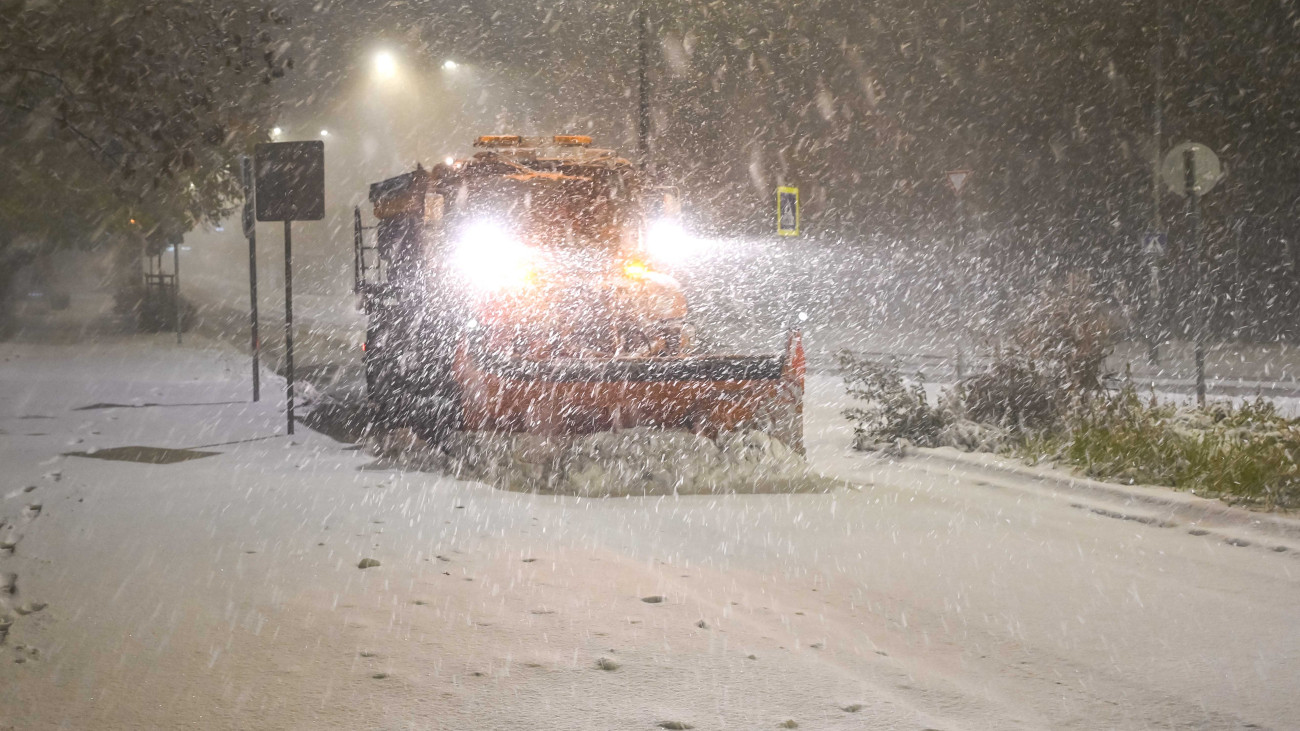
1052	363
1068	334
892	410
972	436
1014	393
1248	454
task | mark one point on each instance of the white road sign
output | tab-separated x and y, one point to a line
958	179
1174	168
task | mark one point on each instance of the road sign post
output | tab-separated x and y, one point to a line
288	323
1154	245
250	232
290	187
1191	170
176	284
1198	323
957	180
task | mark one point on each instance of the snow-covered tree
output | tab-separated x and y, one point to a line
122	119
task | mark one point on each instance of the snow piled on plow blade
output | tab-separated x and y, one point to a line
636	461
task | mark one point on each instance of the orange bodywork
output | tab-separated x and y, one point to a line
704	394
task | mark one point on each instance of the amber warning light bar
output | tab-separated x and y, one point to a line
518	141
499	141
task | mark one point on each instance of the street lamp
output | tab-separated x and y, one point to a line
450	65
385	65
276	131
324	133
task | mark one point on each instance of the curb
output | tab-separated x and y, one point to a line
1167	500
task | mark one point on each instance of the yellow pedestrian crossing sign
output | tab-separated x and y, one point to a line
787	211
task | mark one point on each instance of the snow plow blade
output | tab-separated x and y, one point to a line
708	395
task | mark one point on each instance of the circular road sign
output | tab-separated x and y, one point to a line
1173	170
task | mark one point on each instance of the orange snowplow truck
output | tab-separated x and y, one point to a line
509	292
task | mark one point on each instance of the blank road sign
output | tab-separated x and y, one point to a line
290	181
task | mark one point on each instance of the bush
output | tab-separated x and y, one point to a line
152	311
1247	454
1053	363
892	410
1068	334
1013	393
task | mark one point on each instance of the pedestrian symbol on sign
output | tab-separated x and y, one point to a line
787	211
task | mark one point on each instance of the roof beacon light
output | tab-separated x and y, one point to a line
572	140
499	141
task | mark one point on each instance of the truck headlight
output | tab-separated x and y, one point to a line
668	242
490	257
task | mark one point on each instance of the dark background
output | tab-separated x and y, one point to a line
862	105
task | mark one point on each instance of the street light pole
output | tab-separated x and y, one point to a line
643	89
1157	223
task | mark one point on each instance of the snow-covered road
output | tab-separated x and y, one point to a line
224	591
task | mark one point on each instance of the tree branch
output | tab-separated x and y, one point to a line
98	153
38	72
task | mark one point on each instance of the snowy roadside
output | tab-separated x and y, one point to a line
224	591
1144	503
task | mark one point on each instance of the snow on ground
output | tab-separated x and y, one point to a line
631	462
224	591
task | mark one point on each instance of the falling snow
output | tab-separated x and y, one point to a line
816	365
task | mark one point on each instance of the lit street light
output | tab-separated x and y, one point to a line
385	65
450	65
324	133
276	131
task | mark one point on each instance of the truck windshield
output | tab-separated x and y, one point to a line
553	211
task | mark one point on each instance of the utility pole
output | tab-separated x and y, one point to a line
1157	224
643	90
